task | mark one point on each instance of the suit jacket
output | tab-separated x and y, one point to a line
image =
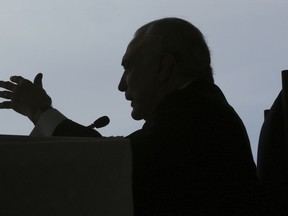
192	158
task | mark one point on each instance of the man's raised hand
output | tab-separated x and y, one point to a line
25	97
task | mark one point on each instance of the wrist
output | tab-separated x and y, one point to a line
36	116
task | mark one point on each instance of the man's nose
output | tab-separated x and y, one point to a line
122	84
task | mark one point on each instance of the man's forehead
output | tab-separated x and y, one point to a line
133	50
139	47
126	59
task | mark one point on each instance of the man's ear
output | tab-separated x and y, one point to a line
166	67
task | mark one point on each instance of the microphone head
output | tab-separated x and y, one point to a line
100	122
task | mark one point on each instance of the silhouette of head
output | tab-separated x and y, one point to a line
163	56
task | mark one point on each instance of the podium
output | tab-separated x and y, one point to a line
65	176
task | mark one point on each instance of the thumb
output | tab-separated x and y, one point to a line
38	80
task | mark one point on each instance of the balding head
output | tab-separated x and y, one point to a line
184	41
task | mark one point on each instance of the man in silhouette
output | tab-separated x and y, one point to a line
192	155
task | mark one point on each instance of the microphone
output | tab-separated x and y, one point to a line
100	122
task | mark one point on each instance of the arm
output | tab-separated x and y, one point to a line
31	100
54	123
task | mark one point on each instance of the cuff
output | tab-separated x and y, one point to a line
47	123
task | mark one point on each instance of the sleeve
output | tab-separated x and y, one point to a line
54	123
47	123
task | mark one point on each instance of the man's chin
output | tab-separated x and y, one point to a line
136	115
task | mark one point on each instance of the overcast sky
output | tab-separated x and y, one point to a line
78	46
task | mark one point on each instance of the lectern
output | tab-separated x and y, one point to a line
65	176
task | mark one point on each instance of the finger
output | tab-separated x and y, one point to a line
16	79
6	105
6	94
38	80
7	85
